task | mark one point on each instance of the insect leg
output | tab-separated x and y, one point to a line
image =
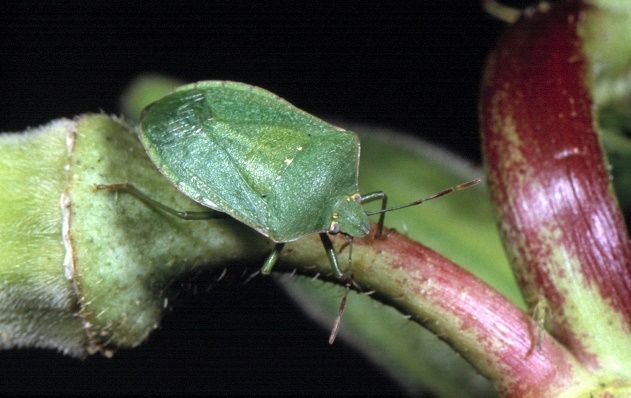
266	269
380	195
330	252
340	311
185	215
348	284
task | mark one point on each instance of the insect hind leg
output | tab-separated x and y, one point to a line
154	204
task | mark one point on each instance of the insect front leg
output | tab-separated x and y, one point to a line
371	197
185	215
269	263
330	252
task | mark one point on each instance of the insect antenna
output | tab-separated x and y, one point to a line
444	192
349	283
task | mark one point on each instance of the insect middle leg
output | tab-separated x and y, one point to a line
271	260
135	192
371	197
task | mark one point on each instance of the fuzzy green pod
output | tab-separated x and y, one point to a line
79	271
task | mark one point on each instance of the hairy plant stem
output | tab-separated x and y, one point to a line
495	336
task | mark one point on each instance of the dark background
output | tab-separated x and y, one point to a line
412	66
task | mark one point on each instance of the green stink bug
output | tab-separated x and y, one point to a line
247	153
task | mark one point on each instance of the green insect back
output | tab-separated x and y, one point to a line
244	151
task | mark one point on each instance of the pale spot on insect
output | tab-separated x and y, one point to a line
299	148
354	197
288	161
334	228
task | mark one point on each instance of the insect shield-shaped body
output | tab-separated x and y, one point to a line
245	152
